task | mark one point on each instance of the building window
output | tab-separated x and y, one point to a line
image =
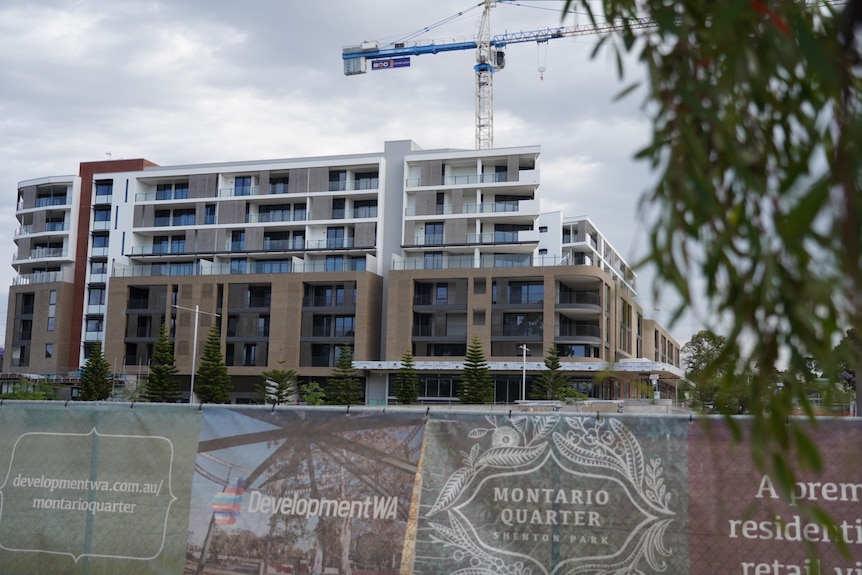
278	185
183	217
337	180
335	237
433	233
209	214
433	260
367	181
237	240
338	208
334	263
96	296
440	203
249	355
238	266
441	294
526	292
49	350
523	324
100	241
104	188
365	209
242	186
345	326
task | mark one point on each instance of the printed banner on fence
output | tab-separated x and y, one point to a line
547	494
303	491
94	489
740	525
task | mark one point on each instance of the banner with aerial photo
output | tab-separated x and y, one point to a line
303	491
553	494
94	489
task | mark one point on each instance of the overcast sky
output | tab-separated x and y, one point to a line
196	81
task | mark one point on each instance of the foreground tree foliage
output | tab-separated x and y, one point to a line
476	386
756	144
212	381
162	384
97	381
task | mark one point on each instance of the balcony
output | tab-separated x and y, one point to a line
53	201
494	238
273	217
94	335
464	262
581	298
38	278
239	191
271	245
162	195
521	207
361	184
331	243
158	249
41	253
524	177
580	332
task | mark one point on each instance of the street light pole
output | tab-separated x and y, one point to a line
194	345
525	349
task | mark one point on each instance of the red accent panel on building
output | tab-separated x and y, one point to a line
86	172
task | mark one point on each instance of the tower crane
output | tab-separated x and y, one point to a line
490	57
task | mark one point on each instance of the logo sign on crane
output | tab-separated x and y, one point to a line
390	63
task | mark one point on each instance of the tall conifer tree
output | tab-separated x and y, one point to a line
212	383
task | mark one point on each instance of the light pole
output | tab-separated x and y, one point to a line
194	345
525	349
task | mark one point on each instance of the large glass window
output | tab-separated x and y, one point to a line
338	208
321	326
367	181
96	296
433	260
523	324
433	233
365	209
526	292
278	185
334	263
345	326
242	186
337	180
184	217
335	237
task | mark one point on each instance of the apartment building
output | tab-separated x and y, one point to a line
293	259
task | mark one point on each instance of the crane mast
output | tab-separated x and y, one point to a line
486	65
